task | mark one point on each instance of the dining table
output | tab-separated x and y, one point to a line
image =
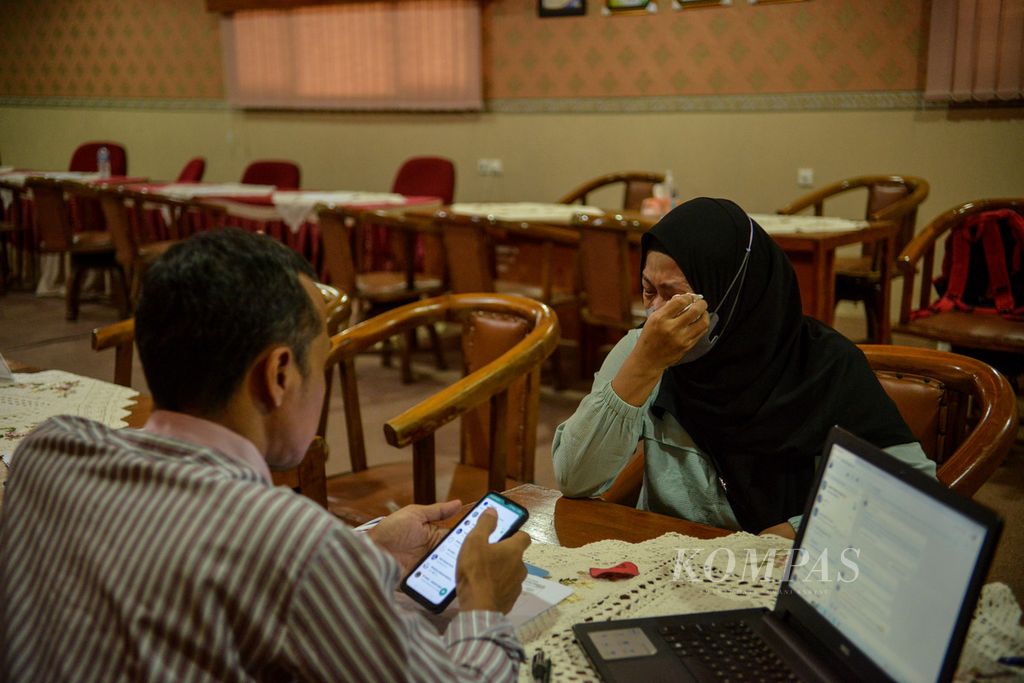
288	215
810	242
19	212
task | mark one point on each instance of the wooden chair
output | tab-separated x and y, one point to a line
505	339
997	340
380	290
962	411
890	198
126	213
607	299
637	186
87	250
309	476
471	263
86	210
13	233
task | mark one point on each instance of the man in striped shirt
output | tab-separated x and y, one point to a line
165	553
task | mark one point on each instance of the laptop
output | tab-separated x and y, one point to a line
881	585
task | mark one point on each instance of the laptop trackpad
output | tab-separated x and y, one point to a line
622	643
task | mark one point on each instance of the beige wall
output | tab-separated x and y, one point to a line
751	157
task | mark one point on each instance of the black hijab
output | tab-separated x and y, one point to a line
760	403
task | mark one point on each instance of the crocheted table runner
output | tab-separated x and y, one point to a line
680	574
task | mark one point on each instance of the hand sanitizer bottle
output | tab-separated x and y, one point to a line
670	189
103	162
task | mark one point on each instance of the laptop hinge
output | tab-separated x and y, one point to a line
798	648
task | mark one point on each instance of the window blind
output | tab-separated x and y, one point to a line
976	50
365	55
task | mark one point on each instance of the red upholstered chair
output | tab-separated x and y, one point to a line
426	177
192	171
85	211
84	158
421	177
282	174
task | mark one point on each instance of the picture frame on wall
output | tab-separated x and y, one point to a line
686	4
630	6
561	8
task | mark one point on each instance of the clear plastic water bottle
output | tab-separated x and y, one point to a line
103	162
670	189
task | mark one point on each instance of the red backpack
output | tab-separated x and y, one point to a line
981	271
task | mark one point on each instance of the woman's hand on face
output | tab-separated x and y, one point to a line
672	330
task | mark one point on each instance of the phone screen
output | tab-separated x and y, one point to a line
432	581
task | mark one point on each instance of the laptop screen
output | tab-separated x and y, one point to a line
888	565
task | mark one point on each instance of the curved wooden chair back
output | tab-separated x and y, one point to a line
309	476
87	249
609	305
920	267
119	225
378	291
962	411
606	270
469	252
637	186
53	219
889	198
505	339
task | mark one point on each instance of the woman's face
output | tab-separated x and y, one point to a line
662	279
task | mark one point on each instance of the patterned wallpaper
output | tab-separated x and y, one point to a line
110	49
170	49
814	46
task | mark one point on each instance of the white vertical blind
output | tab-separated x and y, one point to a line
975	50
372	54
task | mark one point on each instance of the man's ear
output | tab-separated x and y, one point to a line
274	376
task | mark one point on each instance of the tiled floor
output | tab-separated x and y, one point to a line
33	331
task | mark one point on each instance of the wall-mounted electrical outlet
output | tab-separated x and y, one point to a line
805	177
489	167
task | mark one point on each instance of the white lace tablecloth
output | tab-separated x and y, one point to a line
775	224
559	214
664	587
35	396
296	207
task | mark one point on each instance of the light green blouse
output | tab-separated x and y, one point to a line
592	446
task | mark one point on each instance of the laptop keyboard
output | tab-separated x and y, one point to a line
725	651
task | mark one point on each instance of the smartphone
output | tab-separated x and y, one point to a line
432	581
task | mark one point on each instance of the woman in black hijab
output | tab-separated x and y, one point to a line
734	393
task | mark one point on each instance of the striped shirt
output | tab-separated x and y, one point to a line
127	555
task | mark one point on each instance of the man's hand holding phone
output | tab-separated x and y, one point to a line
410	532
490	575
481	555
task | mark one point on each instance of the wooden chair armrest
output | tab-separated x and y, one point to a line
625	490
817	197
430	415
905	205
122	336
113	335
986	447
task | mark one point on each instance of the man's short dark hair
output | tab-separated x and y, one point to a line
210	306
